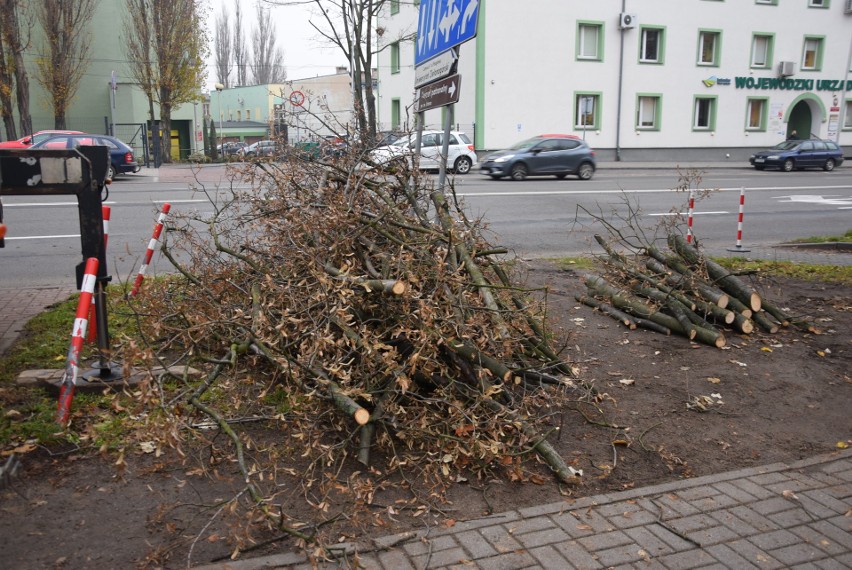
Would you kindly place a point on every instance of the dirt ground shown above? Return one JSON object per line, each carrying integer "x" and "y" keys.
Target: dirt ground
{"x": 780, "y": 397}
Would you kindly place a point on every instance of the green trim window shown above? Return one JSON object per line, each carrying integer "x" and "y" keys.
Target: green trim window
{"x": 394, "y": 7}
{"x": 709, "y": 47}
{"x": 396, "y": 112}
{"x": 590, "y": 41}
{"x": 819, "y": 3}
{"x": 394, "y": 57}
{"x": 587, "y": 114}
{"x": 847, "y": 116}
{"x": 812, "y": 51}
{"x": 762, "y": 47}
{"x": 652, "y": 44}
{"x": 757, "y": 111}
{"x": 704, "y": 113}
{"x": 648, "y": 107}
{"x": 768, "y": 2}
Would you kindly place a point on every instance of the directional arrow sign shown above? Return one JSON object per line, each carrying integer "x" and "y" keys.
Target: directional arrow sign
{"x": 434, "y": 69}
{"x": 438, "y": 94}
{"x": 444, "y": 24}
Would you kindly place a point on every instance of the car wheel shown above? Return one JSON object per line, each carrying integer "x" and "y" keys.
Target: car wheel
{"x": 788, "y": 165}
{"x": 462, "y": 165}
{"x": 829, "y": 165}
{"x": 585, "y": 171}
{"x": 111, "y": 172}
{"x": 561, "y": 176}
{"x": 519, "y": 172}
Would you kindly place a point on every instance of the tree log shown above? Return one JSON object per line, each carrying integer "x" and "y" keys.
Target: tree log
{"x": 608, "y": 310}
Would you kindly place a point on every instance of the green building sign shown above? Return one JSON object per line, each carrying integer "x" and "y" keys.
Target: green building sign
{"x": 788, "y": 84}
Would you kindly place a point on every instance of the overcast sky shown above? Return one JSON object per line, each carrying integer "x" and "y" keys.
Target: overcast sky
{"x": 306, "y": 54}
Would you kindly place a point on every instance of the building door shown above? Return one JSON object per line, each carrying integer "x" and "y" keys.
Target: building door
{"x": 800, "y": 120}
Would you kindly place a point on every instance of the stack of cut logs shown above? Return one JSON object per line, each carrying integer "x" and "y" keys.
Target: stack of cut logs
{"x": 681, "y": 292}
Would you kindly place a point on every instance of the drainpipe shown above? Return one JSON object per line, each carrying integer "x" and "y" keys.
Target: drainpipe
{"x": 842, "y": 116}
{"x": 620, "y": 79}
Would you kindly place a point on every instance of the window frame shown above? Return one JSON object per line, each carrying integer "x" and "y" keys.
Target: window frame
{"x": 770, "y": 50}
{"x": 394, "y": 58}
{"x": 658, "y": 109}
{"x": 394, "y": 7}
{"x": 847, "y": 117}
{"x": 396, "y": 113}
{"x": 661, "y": 44}
{"x": 596, "y": 114}
{"x": 766, "y": 2}
{"x": 717, "y": 48}
{"x": 711, "y": 121}
{"x": 823, "y": 4}
{"x": 764, "y": 114}
{"x": 599, "y": 44}
{"x": 818, "y": 55}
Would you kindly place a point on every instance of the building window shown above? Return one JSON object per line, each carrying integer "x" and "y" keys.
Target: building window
{"x": 704, "y": 114}
{"x": 590, "y": 41}
{"x": 648, "y": 112}
{"x": 587, "y": 111}
{"x": 394, "y": 6}
{"x": 395, "y": 114}
{"x": 394, "y": 57}
{"x": 709, "y": 44}
{"x": 248, "y": 114}
{"x": 812, "y": 54}
{"x": 756, "y": 113}
{"x": 651, "y": 50}
{"x": 761, "y": 51}
{"x": 770, "y": 2}
{"x": 818, "y": 3}
{"x": 239, "y": 115}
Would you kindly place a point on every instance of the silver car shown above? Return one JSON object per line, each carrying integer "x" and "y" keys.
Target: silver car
{"x": 461, "y": 156}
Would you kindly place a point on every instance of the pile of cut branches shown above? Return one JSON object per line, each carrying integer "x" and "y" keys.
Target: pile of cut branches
{"x": 363, "y": 313}
{"x": 680, "y": 291}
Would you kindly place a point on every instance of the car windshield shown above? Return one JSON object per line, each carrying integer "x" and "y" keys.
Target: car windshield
{"x": 787, "y": 145}
{"x": 523, "y": 145}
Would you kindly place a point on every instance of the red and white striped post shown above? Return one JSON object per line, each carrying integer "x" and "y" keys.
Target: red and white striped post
{"x": 152, "y": 245}
{"x": 689, "y": 214}
{"x": 78, "y": 333}
{"x": 93, "y": 321}
{"x": 739, "y": 246}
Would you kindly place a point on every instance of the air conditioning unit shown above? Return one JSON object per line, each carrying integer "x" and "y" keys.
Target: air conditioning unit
{"x": 627, "y": 21}
{"x": 786, "y": 68}
{"x": 848, "y": 8}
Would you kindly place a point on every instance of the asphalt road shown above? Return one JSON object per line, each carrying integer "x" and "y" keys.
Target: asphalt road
{"x": 535, "y": 218}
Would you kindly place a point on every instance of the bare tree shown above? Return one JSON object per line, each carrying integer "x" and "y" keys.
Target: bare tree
{"x": 171, "y": 36}
{"x": 241, "y": 54}
{"x": 267, "y": 60}
{"x": 15, "y": 25}
{"x": 348, "y": 24}
{"x": 7, "y": 83}
{"x": 223, "y": 49}
{"x": 65, "y": 52}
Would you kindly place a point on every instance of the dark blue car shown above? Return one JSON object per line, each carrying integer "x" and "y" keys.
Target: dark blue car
{"x": 545, "y": 155}
{"x": 120, "y": 155}
{"x": 798, "y": 155}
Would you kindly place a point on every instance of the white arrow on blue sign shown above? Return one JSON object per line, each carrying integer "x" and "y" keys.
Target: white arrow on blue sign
{"x": 444, "y": 24}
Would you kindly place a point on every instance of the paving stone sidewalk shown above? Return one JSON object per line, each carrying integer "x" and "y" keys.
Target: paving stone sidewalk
{"x": 17, "y": 306}
{"x": 777, "y": 516}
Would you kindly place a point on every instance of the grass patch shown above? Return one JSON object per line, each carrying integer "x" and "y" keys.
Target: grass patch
{"x": 581, "y": 263}
{"x": 825, "y": 239}
{"x": 841, "y": 274}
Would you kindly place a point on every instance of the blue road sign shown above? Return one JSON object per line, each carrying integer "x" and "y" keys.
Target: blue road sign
{"x": 444, "y": 24}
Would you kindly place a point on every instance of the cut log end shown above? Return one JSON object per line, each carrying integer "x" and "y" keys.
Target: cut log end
{"x": 754, "y": 302}
{"x": 399, "y": 288}
{"x": 361, "y": 416}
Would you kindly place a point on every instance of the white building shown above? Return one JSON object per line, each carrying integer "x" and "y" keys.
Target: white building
{"x": 640, "y": 80}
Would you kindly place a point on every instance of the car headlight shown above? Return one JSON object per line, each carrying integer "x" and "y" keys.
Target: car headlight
{"x": 773, "y": 157}
{"x": 504, "y": 158}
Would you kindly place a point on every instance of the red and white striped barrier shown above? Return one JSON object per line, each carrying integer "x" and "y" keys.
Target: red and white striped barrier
{"x": 689, "y": 214}
{"x": 739, "y": 246}
{"x": 93, "y": 321}
{"x": 152, "y": 245}
{"x": 78, "y": 334}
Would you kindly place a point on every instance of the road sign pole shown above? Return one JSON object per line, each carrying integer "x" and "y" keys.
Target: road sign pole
{"x": 445, "y": 147}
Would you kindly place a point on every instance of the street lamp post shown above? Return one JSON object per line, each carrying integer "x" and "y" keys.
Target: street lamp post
{"x": 219, "y": 88}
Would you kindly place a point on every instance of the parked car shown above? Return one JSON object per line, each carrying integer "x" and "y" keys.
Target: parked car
{"x": 260, "y": 148}
{"x": 29, "y": 140}
{"x": 799, "y": 154}
{"x": 231, "y": 148}
{"x": 461, "y": 156}
{"x": 120, "y": 155}
{"x": 550, "y": 154}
